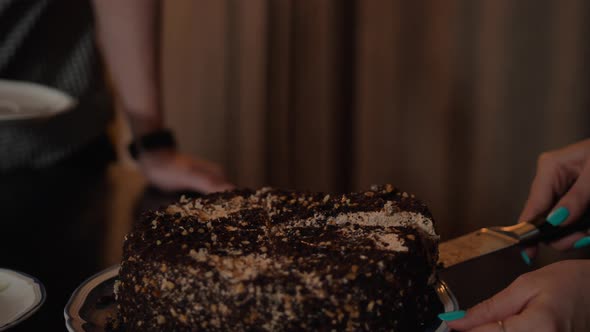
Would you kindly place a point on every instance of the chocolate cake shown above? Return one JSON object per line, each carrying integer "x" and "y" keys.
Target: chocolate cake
{"x": 275, "y": 260}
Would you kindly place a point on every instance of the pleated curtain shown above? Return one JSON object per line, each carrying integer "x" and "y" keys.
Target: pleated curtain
{"x": 451, "y": 100}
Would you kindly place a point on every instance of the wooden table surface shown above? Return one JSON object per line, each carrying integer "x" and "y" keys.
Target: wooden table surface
{"x": 62, "y": 226}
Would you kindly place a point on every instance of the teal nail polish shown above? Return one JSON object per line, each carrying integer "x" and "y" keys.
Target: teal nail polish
{"x": 558, "y": 216}
{"x": 525, "y": 257}
{"x": 583, "y": 242}
{"x": 453, "y": 315}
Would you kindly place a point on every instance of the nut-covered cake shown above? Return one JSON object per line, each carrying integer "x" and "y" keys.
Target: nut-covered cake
{"x": 275, "y": 260}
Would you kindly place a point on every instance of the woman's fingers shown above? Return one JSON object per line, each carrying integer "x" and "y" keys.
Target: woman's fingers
{"x": 569, "y": 242}
{"x": 549, "y": 299}
{"x": 570, "y": 208}
{"x": 173, "y": 171}
{"x": 556, "y": 171}
{"x": 202, "y": 181}
{"x": 506, "y": 303}
{"x": 573, "y": 241}
{"x": 575, "y": 202}
{"x": 543, "y": 187}
{"x": 528, "y": 254}
{"x": 528, "y": 320}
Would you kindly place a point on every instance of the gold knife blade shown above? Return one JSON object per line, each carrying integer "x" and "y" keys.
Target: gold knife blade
{"x": 469, "y": 246}
{"x": 491, "y": 239}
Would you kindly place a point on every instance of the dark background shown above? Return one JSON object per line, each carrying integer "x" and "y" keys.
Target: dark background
{"x": 452, "y": 100}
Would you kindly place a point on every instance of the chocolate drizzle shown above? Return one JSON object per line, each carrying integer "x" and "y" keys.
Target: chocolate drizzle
{"x": 276, "y": 260}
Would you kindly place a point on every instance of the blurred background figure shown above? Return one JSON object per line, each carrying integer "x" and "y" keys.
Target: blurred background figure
{"x": 453, "y": 101}
{"x": 44, "y": 42}
{"x": 56, "y": 44}
{"x": 66, "y": 203}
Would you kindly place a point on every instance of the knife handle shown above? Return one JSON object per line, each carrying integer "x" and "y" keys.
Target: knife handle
{"x": 548, "y": 233}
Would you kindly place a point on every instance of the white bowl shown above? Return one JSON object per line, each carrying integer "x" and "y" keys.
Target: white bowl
{"x": 24, "y": 101}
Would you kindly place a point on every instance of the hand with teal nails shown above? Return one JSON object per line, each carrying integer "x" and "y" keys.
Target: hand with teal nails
{"x": 554, "y": 298}
{"x": 562, "y": 187}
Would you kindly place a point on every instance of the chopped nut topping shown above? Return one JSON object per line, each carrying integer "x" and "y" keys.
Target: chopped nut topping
{"x": 167, "y": 284}
{"x": 234, "y": 263}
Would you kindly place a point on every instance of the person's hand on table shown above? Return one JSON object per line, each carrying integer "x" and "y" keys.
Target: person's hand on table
{"x": 556, "y": 297}
{"x": 170, "y": 170}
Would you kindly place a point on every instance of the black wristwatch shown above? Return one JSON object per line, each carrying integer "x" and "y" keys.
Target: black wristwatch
{"x": 163, "y": 138}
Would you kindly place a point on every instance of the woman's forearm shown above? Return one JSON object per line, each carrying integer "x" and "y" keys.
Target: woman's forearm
{"x": 128, "y": 34}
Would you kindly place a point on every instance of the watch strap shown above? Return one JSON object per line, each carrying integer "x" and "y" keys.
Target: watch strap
{"x": 155, "y": 140}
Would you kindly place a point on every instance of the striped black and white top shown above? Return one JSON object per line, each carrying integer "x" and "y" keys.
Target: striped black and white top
{"x": 51, "y": 42}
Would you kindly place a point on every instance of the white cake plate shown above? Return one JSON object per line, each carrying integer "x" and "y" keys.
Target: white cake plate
{"x": 20, "y": 296}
